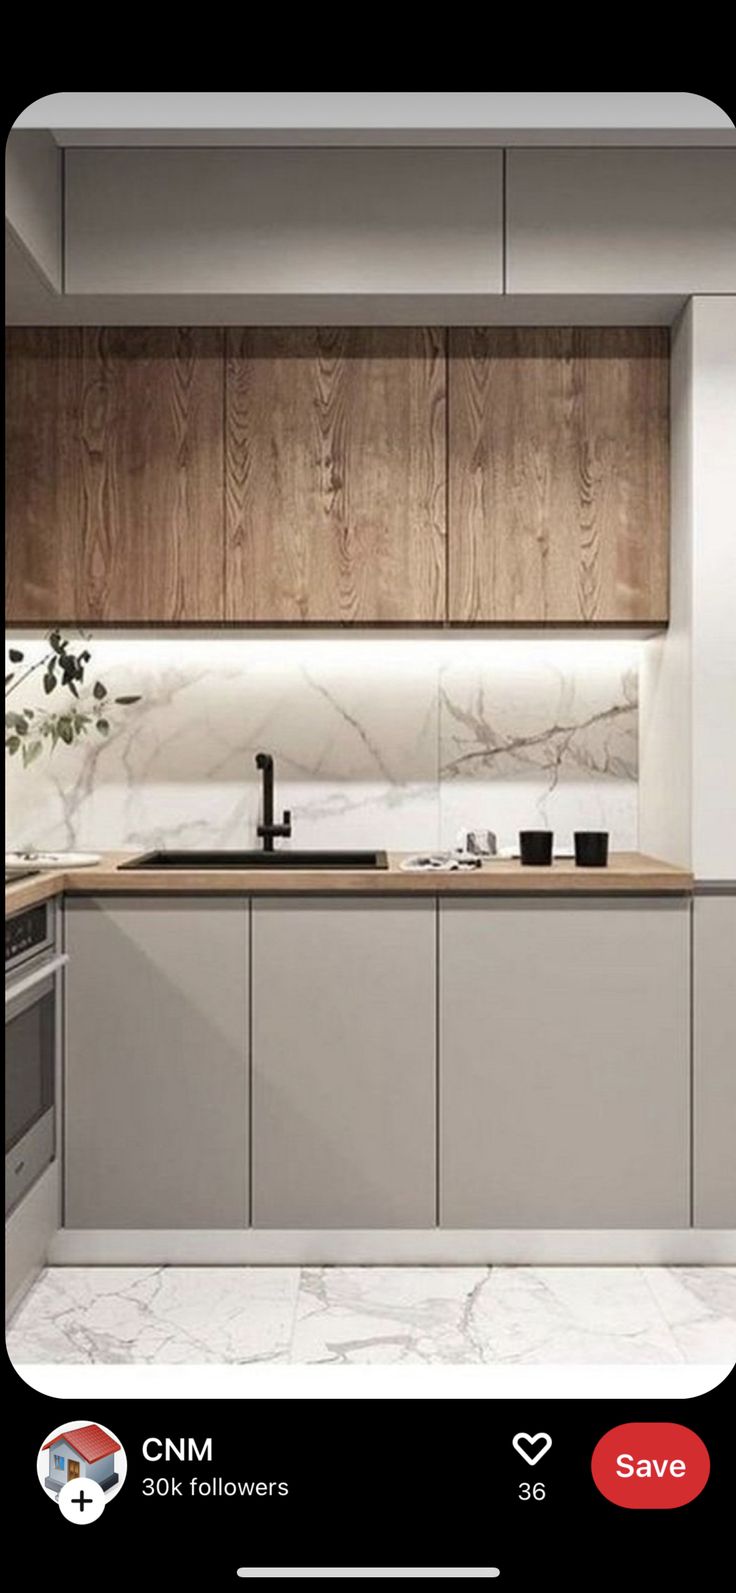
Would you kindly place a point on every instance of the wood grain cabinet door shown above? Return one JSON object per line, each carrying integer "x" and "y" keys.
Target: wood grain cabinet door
{"x": 335, "y": 475}
{"x": 558, "y": 462}
{"x": 115, "y": 468}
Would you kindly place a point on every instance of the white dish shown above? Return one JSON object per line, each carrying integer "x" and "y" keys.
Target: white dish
{"x": 52, "y": 859}
{"x": 440, "y": 863}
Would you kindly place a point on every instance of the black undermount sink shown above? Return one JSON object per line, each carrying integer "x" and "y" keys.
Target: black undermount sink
{"x": 259, "y": 859}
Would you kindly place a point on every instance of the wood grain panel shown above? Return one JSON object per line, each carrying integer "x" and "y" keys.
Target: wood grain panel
{"x": 335, "y": 474}
{"x": 627, "y": 872}
{"x": 115, "y": 501}
{"x": 558, "y": 463}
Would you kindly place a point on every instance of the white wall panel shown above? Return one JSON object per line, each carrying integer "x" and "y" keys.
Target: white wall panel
{"x": 33, "y": 200}
{"x": 665, "y": 673}
{"x": 687, "y": 791}
{"x": 714, "y": 588}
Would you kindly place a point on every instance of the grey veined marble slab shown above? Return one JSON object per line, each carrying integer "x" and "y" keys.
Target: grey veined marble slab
{"x": 167, "y": 1315}
{"x": 539, "y": 741}
{"x": 382, "y": 741}
{"x": 379, "y": 1315}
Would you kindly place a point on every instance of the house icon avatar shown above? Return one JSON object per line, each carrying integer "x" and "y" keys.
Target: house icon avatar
{"x": 84, "y": 1452}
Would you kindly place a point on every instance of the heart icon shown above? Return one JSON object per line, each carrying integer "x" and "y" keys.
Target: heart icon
{"x": 532, "y": 1448}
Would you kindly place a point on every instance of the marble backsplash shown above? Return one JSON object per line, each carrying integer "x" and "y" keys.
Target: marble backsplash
{"x": 379, "y": 741}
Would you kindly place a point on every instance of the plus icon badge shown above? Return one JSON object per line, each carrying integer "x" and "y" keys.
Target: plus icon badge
{"x": 81, "y": 1501}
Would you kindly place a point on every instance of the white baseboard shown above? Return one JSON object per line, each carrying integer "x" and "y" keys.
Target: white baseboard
{"x": 394, "y": 1247}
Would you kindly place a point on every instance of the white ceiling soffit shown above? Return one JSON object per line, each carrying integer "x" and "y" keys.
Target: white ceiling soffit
{"x": 373, "y": 118}
{"x": 31, "y": 303}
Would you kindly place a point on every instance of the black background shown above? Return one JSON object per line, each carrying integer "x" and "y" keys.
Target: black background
{"x": 375, "y": 1482}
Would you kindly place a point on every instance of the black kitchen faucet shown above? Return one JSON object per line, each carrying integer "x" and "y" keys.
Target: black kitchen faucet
{"x": 267, "y": 830}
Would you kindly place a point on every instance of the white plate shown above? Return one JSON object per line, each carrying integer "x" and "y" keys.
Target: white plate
{"x": 52, "y": 859}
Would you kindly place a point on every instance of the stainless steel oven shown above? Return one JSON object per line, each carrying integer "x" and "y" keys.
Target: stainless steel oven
{"x": 33, "y": 967}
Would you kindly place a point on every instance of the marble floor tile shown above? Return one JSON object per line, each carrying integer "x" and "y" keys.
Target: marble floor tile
{"x": 381, "y": 1315}
{"x": 699, "y": 1306}
{"x": 386, "y": 1315}
{"x": 570, "y": 1315}
{"x": 221, "y": 1315}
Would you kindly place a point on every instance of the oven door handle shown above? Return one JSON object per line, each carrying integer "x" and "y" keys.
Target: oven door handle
{"x": 20, "y": 988}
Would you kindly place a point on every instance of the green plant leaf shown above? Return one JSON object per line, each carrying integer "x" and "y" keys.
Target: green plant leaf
{"x": 12, "y": 744}
{"x": 62, "y": 666}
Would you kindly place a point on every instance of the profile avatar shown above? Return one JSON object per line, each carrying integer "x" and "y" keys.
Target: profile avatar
{"x": 84, "y": 1452}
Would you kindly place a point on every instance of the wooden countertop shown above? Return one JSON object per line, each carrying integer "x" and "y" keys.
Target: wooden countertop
{"x": 627, "y": 872}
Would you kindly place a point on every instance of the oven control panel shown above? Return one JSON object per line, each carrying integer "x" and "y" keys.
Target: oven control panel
{"x": 27, "y": 933}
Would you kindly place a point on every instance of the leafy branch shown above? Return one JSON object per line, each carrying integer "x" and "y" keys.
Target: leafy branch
{"x": 87, "y": 706}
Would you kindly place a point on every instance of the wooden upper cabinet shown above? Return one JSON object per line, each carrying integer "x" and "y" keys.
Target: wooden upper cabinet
{"x": 335, "y": 475}
{"x": 558, "y": 460}
{"x": 115, "y": 469}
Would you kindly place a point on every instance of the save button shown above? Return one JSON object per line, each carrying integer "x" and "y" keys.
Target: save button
{"x": 650, "y": 1465}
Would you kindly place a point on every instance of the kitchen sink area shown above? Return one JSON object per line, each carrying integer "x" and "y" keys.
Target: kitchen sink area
{"x": 222, "y": 860}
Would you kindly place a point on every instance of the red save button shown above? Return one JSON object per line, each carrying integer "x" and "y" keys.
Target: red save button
{"x": 650, "y": 1465}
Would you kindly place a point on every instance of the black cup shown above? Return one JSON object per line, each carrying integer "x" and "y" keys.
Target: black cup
{"x": 591, "y": 848}
{"x": 535, "y": 847}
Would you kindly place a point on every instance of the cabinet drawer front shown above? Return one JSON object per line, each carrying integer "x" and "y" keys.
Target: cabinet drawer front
{"x": 157, "y": 1065}
{"x": 343, "y": 1064}
{"x": 714, "y": 1061}
{"x": 564, "y": 1064}
{"x": 621, "y": 221}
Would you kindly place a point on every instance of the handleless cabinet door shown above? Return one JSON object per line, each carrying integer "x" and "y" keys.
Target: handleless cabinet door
{"x": 621, "y": 221}
{"x": 558, "y": 475}
{"x": 343, "y": 1035}
{"x": 564, "y": 1064}
{"x": 714, "y": 1060}
{"x": 156, "y": 1100}
{"x": 115, "y": 474}
{"x": 335, "y": 474}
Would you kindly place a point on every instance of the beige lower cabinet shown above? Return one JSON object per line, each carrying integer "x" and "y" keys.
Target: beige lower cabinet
{"x": 344, "y": 1063}
{"x": 564, "y": 1063}
{"x": 714, "y": 1060}
{"x": 156, "y": 1096}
